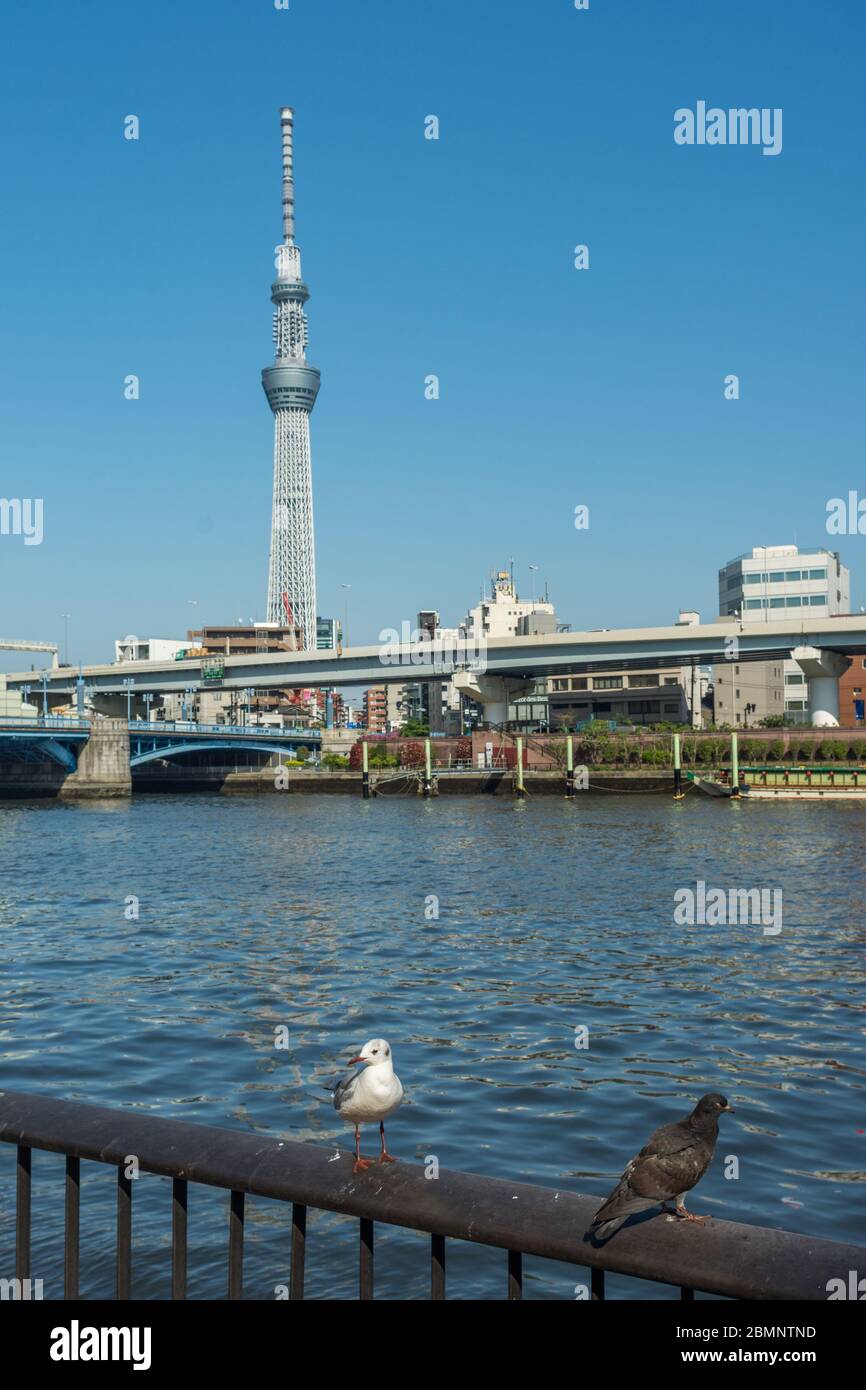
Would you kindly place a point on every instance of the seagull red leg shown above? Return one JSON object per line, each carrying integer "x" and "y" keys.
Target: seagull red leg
{"x": 385, "y": 1157}
{"x": 361, "y": 1164}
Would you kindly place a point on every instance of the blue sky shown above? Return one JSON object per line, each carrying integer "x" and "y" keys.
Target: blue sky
{"x": 452, "y": 257}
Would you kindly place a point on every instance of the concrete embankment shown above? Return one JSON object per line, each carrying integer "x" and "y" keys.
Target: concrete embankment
{"x": 477, "y": 783}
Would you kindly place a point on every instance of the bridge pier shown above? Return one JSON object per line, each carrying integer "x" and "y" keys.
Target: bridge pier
{"x": 822, "y": 670}
{"x": 103, "y": 764}
{"x": 493, "y": 693}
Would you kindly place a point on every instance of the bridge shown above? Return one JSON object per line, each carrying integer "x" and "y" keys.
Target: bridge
{"x": 497, "y": 671}
{"x": 63, "y": 741}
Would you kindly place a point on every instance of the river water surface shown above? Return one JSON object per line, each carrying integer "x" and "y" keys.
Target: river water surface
{"x": 309, "y": 912}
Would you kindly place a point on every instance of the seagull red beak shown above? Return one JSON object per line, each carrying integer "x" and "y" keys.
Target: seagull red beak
{"x": 353, "y": 1060}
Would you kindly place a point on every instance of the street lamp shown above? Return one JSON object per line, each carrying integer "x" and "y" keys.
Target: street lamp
{"x": 347, "y": 587}
{"x": 66, "y": 617}
{"x": 129, "y": 682}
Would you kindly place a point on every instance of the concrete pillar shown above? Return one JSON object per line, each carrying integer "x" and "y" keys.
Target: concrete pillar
{"x": 493, "y": 693}
{"x": 103, "y": 764}
{"x": 822, "y": 670}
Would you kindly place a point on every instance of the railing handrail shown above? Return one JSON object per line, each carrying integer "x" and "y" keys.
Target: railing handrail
{"x": 51, "y": 721}
{"x": 190, "y": 726}
{"x": 722, "y": 1257}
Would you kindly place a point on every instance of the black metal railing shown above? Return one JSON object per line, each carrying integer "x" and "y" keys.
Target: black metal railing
{"x": 721, "y": 1257}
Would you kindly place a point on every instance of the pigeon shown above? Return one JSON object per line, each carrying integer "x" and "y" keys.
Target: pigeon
{"x": 369, "y": 1095}
{"x": 668, "y": 1166}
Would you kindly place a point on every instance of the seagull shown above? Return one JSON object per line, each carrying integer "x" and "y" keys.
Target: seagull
{"x": 369, "y": 1095}
{"x": 668, "y": 1166}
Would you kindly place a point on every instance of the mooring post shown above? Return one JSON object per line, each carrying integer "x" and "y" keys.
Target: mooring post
{"x": 365, "y": 773}
{"x": 520, "y": 789}
{"x": 678, "y": 774}
{"x": 735, "y": 766}
{"x": 569, "y": 766}
{"x": 428, "y": 769}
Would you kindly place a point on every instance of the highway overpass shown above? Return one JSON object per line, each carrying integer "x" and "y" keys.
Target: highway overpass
{"x": 495, "y": 674}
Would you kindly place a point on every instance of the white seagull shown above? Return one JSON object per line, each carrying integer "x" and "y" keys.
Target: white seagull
{"x": 369, "y": 1095}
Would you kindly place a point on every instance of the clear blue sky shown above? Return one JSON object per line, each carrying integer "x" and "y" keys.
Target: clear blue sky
{"x": 454, "y": 257}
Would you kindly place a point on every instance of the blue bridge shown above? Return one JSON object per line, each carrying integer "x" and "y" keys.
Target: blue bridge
{"x": 60, "y": 740}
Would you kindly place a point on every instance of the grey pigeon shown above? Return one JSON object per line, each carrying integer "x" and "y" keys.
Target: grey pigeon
{"x": 676, "y": 1157}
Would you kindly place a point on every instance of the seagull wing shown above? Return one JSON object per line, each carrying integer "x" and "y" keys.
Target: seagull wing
{"x": 345, "y": 1088}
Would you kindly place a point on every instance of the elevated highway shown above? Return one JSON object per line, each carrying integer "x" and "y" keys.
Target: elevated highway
{"x": 496, "y": 672}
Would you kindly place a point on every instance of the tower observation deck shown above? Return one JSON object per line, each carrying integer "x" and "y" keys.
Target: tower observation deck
{"x": 291, "y": 387}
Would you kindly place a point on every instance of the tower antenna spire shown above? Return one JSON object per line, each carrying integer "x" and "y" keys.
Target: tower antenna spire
{"x": 287, "y": 118}
{"x": 291, "y": 386}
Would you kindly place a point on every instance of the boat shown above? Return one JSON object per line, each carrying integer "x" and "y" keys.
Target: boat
{"x": 712, "y": 787}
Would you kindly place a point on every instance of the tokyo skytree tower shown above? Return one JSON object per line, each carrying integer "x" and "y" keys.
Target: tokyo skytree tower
{"x": 291, "y": 388}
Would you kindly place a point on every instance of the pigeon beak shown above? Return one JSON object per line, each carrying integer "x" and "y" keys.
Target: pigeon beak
{"x": 731, "y": 1109}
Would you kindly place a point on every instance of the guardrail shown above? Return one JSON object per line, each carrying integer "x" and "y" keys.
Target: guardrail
{"x": 189, "y": 726}
{"x": 721, "y": 1257}
{"x": 51, "y": 721}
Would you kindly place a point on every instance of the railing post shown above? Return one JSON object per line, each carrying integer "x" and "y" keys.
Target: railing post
{"x": 428, "y": 769}
{"x": 124, "y": 1234}
{"x": 678, "y": 776}
{"x": 569, "y": 766}
{"x": 515, "y": 1274}
{"x": 365, "y": 1263}
{"x": 179, "y": 1200}
{"x": 437, "y": 1267}
{"x": 22, "y": 1213}
{"x": 236, "y": 1245}
{"x": 735, "y": 766}
{"x": 365, "y": 771}
{"x": 71, "y": 1228}
{"x": 299, "y": 1250}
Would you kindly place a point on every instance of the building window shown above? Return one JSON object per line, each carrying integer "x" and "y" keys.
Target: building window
{"x": 579, "y": 684}
{"x": 817, "y": 574}
{"x": 607, "y": 682}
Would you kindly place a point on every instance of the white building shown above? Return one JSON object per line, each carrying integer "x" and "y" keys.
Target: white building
{"x": 501, "y": 614}
{"x": 133, "y": 648}
{"x": 766, "y": 583}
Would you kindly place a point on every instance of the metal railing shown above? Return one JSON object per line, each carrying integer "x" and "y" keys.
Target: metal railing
{"x": 721, "y": 1257}
{"x": 189, "y": 726}
{"x": 41, "y": 721}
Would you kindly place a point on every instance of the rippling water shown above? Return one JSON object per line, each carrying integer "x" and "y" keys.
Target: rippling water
{"x": 310, "y": 912}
